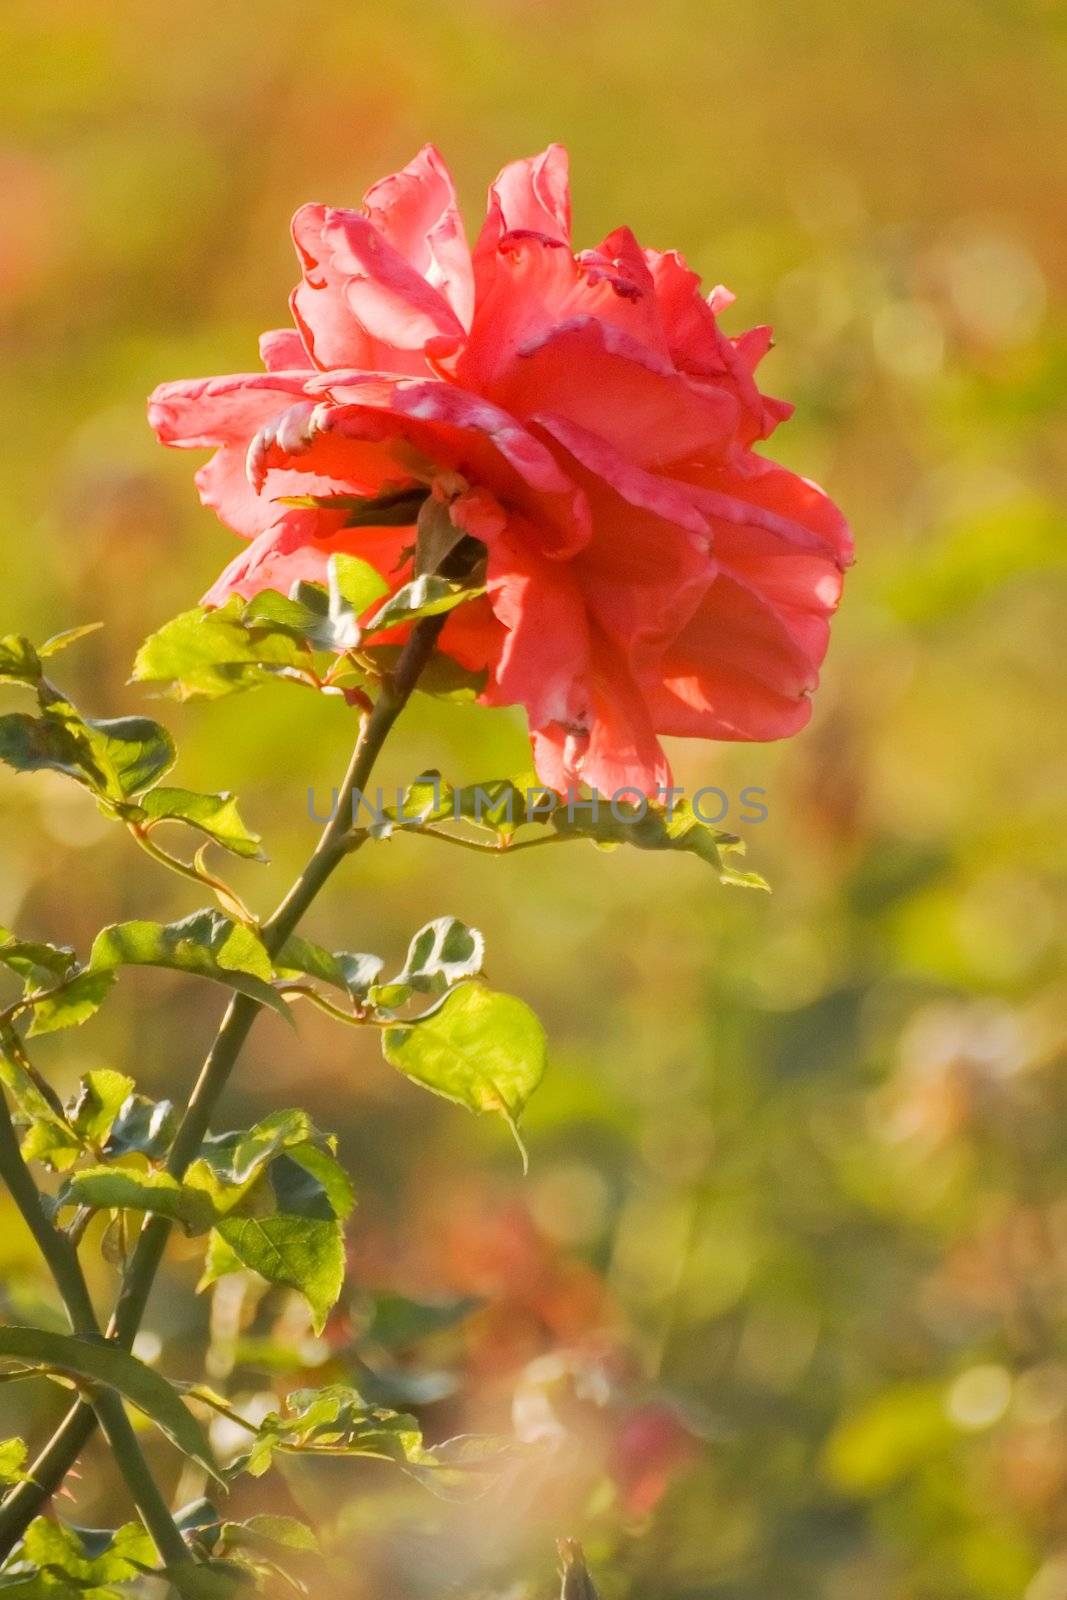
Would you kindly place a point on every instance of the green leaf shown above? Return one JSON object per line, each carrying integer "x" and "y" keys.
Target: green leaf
{"x": 100, "y": 1097}
{"x": 397, "y": 1322}
{"x": 125, "y": 1189}
{"x": 397, "y": 508}
{"x": 12, "y": 1461}
{"x": 300, "y": 1244}
{"x": 99, "y": 1361}
{"x": 345, "y": 970}
{"x": 114, "y": 757}
{"x": 334, "y": 1420}
{"x": 143, "y": 1126}
{"x": 19, "y": 661}
{"x": 133, "y": 751}
{"x": 39, "y": 744}
{"x": 66, "y": 637}
{"x": 280, "y": 1198}
{"x": 425, "y": 596}
{"x": 326, "y": 1171}
{"x": 355, "y": 582}
{"x": 481, "y": 1049}
{"x": 79, "y": 998}
{"x": 206, "y": 944}
{"x": 82, "y": 1561}
{"x": 442, "y": 677}
{"x": 34, "y": 960}
{"x": 213, "y": 814}
{"x": 52, "y": 1143}
{"x": 440, "y": 954}
{"x": 467, "y": 1466}
{"x": 651, "y": 828}
{"x": 288, "y": 1532}
{"x": 28, "y": 1093}
{"x": 209, "y": 653}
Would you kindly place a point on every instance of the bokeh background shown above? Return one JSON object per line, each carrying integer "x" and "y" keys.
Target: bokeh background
{"x": 786, "y": 1286}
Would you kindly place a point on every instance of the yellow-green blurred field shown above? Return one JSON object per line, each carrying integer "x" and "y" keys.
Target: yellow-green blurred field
{"x": 792, "y": 1253}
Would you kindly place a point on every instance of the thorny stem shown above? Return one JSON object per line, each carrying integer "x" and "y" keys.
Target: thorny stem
{"x": 62, "y": 1261}
{"x": 58, "y": 1456}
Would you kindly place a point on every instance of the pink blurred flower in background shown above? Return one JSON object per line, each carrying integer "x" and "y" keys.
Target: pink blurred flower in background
{"x": 584, "y": 417}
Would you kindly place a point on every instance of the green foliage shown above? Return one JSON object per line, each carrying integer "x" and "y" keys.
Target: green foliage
{"x": 92, "y": 1362}
{"x": 205, "y": 944}
{"x": 114, "y": 1188}
{"x": 58, "y": 1136}
{"x": 60, "y": 1562}
{"x": 13, "y": 1454}
{"x": 495, "y": 812}
{"x": 440, "y": 954}
{"x": 215, "y": 815}
{"x": 34, "y": 961}
{"x": 280, "y": 1202}
{"x": 425, "y": 596}
{"x": 483, "y": 1050}
{"x": 71, "y": 1003}
{"x": 331, "y": 1421}
{"x": 353, "y": 974}
{"x": 209, "y": 653}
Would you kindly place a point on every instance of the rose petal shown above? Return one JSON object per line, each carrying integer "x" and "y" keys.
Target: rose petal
{"x": 415, "y": 211}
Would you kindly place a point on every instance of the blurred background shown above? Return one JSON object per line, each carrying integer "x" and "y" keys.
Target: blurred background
{"x": 785, "y": 1291}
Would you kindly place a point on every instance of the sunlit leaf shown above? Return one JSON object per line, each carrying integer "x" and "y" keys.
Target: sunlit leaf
{"x": 125, "y": 1189}
{"x": 481, "y": 1049}
{"x": 98, "y": 1361}
{"x": 346, "y": 970}
{"x": 215, "y": 815}
{"x": 79, "y": 999}
{"x": 13, "y": 1454}
{"x": 425, "y": 596}
{"x": 206, "y": 944}
{"x": 34, "y": 960}
{"x": 209, "y": 653}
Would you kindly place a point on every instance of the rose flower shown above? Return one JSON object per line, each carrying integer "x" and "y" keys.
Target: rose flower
{"x": 583, "y": 417}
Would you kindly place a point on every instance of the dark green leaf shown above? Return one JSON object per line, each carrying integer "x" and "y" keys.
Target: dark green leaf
{"x": 397, "y": 1322}
{"x": 143, "y": 1126}
{"x": 19, "y": 661}
{"x": 133, "y": 752}
{"x": 38, "y": 744}
{"x": 344, "y": 969}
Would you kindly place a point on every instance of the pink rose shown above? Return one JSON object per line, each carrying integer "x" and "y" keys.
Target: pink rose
{"x": 584, "y": 417}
